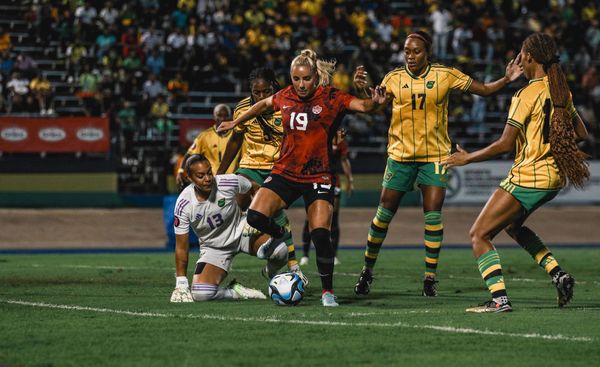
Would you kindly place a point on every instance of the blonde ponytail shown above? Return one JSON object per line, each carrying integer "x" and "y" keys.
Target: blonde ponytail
{"x": 324, "y": 69}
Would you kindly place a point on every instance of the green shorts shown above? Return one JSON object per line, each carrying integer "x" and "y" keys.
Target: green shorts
{"x": 257, "y": 175}
{"x": 401, "y": 176}
{"x": 530, "y": 199}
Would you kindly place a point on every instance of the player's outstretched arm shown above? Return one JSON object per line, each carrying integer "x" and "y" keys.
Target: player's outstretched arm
{"x": 233, "y": 147}
{"x": 512, "y": 73}
{"x": 181, "y": 293}
{"x": 503, "y": 145}
{"x": 256, "y": 109}
{"x": 378, "y": 98}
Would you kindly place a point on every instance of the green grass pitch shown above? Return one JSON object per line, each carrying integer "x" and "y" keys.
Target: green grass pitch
{"x": 114, "y": 310}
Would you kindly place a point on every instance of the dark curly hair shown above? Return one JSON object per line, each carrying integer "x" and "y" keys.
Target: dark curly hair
{"x": 571, "y": 161}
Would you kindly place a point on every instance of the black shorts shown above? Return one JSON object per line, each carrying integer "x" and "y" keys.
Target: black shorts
{"x": 290, "y": 191}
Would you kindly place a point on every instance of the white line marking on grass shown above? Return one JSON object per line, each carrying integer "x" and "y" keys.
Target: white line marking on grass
{"x": 525, "y": 280}
{"x": 449, "y": 329}
{"x": 361, "y": 314}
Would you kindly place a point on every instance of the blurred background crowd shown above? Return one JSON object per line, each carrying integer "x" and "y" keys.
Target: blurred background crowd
{"x": 148, "y": 63}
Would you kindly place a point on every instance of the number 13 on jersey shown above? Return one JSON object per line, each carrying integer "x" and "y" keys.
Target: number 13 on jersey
{"x": 298, "y": 121}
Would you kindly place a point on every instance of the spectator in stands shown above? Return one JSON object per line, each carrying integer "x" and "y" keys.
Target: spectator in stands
{"x": 5, "y": 41}
{"x": 105, "y": 41}
{"x": 440, "y": 19}
{"x": 592, "y": 38}
{"x": 176, "y": 43}
{"x": 159, "y": 112}
{"x": 342, "y": 79}
{"x": 126, "y": 121}
{"x": 152, "y": 88}
{"x": 109, "y": 14}
{"x": 178, "y": 89}
{"x": 155, "y": 63}
{"x": 112, "y": 59}
{"x": 133, "y": 61}
{"x": 25, "y": 65}
{"x": 460, "y": 40}
{"x": 18, "y": 89}
{"x": 86, "y": 17}
{"x": 41, "y": 89}
{"x": 7, "y": 64}
{"x": 129, "y": 41}
{"x": 179, "y": 18}
{"x": 151, "y": 38}
{"x": 75, "y": 54}
{"x": 88, "y": 91}
{"x": 186, "y": 5}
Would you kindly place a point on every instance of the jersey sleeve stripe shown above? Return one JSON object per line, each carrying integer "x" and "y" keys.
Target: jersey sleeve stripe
{"x": 514, "y": 123}
{"x": 468, "y": 85}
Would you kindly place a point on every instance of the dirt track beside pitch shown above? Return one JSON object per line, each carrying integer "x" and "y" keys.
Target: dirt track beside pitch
{"x": 144, "y": 228}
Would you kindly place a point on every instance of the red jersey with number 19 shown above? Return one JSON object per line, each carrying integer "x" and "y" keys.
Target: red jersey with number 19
{"x": 308, "y": 125}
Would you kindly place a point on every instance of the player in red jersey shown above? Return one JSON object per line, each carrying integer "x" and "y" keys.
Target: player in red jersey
{"x": 339, "y": 161}
{"x": 309, "y": 109}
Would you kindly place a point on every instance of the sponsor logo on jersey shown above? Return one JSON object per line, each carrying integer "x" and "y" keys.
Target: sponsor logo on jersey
{"x": 176, "y": 221}
{"x": 13, "y": 134}
{"x": 405, "y": 86}
{"x": 317, "y": 109}
{"x": 221, "y": 203}
{"x": 430, "y": 84}
{"x": 89, "y": 134}
{"x": 52, "y": 134}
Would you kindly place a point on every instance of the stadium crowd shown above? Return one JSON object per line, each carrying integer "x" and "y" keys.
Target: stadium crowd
{"x": 136, "y": 60}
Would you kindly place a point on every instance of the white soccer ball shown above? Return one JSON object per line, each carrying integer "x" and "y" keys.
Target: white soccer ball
{"x": 286, "y": 289}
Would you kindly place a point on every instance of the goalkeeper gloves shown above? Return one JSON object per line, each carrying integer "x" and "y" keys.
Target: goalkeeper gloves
{"x": 182, "y": 293}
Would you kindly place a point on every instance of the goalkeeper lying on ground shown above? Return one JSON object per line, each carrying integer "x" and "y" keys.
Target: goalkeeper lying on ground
{"x": 208, "y": 205}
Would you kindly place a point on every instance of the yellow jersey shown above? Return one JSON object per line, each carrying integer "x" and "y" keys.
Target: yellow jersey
{"x": 530, "y": 111}
{"x": 212, "y": 145}
{"x": 419, "y": 128}
{"x": 262, "y": 137}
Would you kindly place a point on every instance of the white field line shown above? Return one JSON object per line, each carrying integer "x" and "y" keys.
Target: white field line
{"x": 448, "y": 329}
{"x": 524, "y": 280}
{"x": 379, "y": 276}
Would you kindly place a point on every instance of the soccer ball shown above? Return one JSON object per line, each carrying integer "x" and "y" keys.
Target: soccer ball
{"x": 286, "y": 289}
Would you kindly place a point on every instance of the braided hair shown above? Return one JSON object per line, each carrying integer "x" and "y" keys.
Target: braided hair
{"x": 266, "y": 74}
{"x": 571, "y": 161}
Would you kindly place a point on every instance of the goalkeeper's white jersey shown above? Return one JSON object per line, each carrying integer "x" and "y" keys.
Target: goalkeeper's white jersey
{"x": 218, "y": 221}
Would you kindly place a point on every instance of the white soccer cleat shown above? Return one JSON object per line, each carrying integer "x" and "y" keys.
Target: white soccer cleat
{"x": 328, "y": 300}
{"x": 245, "y": 292}
{"x": 277, "y": 261}
{"x": 266, "y": 249}
{"x": 181, "y": 295}
{"x": 304, "y": 261}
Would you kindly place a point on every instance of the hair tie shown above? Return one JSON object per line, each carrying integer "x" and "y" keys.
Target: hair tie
{"x": 416, "y": 35}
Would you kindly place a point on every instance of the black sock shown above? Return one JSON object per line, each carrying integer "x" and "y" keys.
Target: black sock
{"x": 321, "y": 237}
